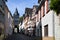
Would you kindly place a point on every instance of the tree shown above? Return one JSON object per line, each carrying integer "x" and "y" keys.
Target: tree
{"x": 21, "y": 19}
{"x": 55, "y": 5}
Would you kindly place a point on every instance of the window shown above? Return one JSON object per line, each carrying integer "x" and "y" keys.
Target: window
{"x": 37, "y": 32}
{"x": 43, "y": 9}
{"x": 1, "y": 17}
{"x": 46, "y": 30}
{"x": 0, "y": 5}
{"x": 37, "y": 17}
{"x": 49, "y": 4}
{"x": 40, "y": 14}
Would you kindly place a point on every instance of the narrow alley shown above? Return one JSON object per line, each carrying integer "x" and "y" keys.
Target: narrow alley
{"x": 29, "y": 19}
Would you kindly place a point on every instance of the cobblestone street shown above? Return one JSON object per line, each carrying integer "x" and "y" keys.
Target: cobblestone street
{"x": 19, "y": 37}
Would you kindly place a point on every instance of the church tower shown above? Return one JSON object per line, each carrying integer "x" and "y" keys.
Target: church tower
{"x": 16, "y": 20}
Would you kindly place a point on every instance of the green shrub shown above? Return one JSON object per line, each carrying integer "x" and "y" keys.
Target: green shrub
{"x": 55, "y": 5}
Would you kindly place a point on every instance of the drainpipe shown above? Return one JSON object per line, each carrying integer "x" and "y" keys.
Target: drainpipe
{"x": 53, "y": 26}
{"x": 41, "y": 26}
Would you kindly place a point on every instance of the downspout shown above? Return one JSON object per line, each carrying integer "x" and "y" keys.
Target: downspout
{"x": 53, "y": 26}
{"x": 40, "y": 26}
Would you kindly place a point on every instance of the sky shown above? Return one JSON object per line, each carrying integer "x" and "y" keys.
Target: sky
{"x": 20, "y": 5}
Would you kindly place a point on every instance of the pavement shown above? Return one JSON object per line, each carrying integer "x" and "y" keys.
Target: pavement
{"x": 19, "y": 37}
